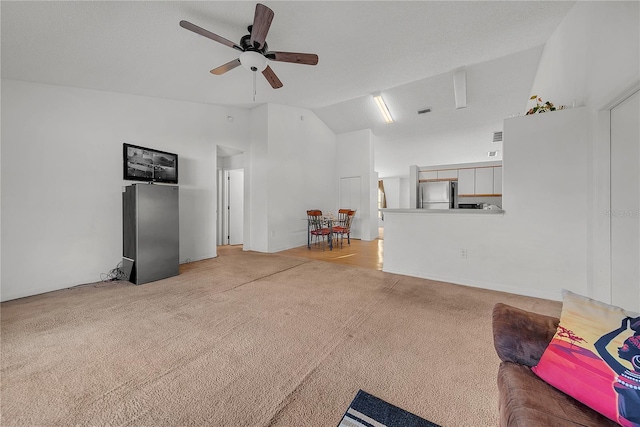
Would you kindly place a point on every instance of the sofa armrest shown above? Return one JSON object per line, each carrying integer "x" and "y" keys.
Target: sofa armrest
{"x": 521, "y": 336}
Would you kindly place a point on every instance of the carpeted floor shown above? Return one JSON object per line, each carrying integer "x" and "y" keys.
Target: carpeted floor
{"x": 251, "y": 339}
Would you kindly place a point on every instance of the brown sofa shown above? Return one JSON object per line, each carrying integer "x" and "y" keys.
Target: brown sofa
{"x": 520, "y": 337}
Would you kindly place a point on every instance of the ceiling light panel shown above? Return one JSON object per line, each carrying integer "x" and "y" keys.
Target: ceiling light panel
{"x": 384, "y": 110}
{"x": 460, "y": 88}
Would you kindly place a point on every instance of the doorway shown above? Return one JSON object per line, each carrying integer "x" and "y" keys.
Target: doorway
{"x": 235, "y": 206}
{"x": 230, "y": 198}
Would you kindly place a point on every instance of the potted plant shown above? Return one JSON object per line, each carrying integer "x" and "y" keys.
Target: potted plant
{"x": 542, "y": 107}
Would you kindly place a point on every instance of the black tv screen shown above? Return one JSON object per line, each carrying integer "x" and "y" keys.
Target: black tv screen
{"x": 147, "y": 164}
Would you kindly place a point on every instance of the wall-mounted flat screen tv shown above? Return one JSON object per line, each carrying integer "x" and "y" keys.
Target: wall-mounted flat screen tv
{"x": 148, "y": 164}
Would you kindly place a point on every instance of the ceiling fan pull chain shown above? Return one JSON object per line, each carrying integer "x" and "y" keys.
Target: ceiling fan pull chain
{"x": 254, "y": 86}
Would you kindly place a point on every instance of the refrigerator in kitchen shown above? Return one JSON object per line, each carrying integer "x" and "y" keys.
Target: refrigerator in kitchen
{"x": 438, "y": 195}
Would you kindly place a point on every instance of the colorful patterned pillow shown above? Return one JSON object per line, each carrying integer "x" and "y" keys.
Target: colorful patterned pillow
{"x": 595, "y": 357}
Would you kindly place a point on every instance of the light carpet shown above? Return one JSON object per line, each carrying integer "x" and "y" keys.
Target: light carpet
{"x": 250, "y": 339}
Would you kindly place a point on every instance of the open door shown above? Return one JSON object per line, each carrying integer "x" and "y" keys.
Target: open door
{"x": 230, "y": 200}
{"x": 235, "y": 208}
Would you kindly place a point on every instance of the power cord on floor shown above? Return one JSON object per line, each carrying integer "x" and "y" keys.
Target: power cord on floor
{"x": 114, "y": 274}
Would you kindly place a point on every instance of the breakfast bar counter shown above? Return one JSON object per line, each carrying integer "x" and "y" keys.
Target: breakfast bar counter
{"x": 444, "y": 211}
{"x": 464, "y": 246}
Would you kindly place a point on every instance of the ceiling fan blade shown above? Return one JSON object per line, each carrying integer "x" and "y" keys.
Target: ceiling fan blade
{"x": 208, "y": 34}
{"x": 226, "y": 67}
{"x": 296, "y": 58}
{"x": 261, "y": 23}
{"x": 271, "y": 77}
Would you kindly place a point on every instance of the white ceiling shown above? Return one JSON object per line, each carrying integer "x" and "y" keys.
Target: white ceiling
{"x": 406, "y": 50}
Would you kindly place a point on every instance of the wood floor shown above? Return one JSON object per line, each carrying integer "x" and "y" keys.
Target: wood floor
{"x": 361, "y": 253}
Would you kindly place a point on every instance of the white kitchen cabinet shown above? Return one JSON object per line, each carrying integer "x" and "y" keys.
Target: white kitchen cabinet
{"x": 497, "y": 180}
{"x": 480, "y": 181}
{"x": 466, "y": 181}
{"x": 448, "y": 174}
{"x": 484, "y": 181}
{"x": 474, "y": 179}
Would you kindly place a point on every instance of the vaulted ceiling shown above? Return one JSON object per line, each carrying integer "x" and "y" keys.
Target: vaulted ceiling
{"x": 408, "y": 51}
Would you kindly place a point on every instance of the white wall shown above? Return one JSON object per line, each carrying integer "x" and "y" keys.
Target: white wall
{"x": 62, "y": 178}
{"x": 62, "y": 226}
{"x": 405, "y": 189}
{"x": 594, "y": 53}
{"x": 257, "y": 193}
{"x": 538, "y": 246}
{"x": 593, "y": 58}
{"x": 356, "y": 158}
{"x": 292, "y": 170}
{"x": 235, "y": 161}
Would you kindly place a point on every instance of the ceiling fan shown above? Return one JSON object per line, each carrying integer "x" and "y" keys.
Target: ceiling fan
{"x": 253, "y": 46}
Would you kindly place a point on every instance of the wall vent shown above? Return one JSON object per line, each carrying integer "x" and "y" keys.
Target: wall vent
{"x": 426, "y": 110}
{"x": 497, "y": 136}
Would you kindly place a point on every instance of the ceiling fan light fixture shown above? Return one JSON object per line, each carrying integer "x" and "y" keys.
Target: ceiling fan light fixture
{"x": 383, "y": 108}
{"x": 253, "y": 61}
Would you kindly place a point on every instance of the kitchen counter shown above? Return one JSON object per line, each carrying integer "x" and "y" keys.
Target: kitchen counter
{"x": 464, "y": 246}
{"x": 446, "y": 211}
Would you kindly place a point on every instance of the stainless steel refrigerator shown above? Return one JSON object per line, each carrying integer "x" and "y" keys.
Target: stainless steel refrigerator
{"x": 438, "y": 195}
{"x": 151, "y": 235}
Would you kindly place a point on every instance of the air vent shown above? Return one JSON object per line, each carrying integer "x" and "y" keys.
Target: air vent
{"x": 426, "y": 110}
{"x": 497, "y": 136}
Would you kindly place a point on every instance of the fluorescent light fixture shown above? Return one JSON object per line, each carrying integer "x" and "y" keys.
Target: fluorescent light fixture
{"x": 383, "y": 108}
{"x": 460, "y": 88}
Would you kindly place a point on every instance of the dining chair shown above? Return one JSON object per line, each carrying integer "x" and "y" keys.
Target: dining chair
{"x": 342, "y": 217}
{"x": 317, "y": 229}
{"x": 343, "y": 225}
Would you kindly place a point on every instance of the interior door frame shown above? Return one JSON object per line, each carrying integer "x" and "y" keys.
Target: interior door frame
{"x": 235, "y": 200}
{"x": 623, "y": 247}
{"x": 600, "y": 228}
{"x": 228, "y": 159}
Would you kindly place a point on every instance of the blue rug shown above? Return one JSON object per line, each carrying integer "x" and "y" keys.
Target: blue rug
{"x": 369, "y": 411}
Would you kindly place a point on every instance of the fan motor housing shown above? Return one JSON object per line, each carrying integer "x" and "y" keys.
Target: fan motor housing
{"x": 245, "y": 44}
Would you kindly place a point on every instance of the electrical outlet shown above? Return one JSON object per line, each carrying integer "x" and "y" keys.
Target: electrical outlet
{"x": 463, "y": 253}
